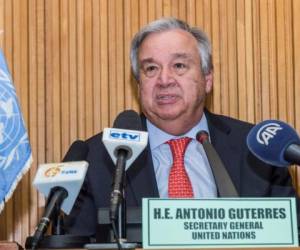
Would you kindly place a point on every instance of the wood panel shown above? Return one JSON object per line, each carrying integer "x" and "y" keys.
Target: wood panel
{"x": 70, "y": 64}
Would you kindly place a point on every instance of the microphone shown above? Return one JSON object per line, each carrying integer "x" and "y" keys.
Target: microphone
{"x": 61, "y": 183}
{"x": 274, "y": 142}
{"x": 78, "y": 151}
{"x": 68, "y": 175}
{"x": 222, "y": 178}
{"x": 124, "y": 143}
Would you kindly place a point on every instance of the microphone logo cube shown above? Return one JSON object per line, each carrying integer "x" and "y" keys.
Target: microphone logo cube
{"x": 69, "y": 175}
{"x": 133, "y": 140}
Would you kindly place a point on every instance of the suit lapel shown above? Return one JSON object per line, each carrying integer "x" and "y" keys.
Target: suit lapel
{"x": 141, "y": 181}
{"x": 226, "y": 146}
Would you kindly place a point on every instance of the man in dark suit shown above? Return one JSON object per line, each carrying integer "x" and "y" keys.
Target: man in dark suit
{"x": 172, "y": 65}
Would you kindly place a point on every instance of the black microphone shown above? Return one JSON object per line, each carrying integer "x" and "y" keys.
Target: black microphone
{"x": 223, "y": 181}
{"x": 78, "y": 151}
{"x": 58, "y": 193}
{"x": 274, "y": 142}
{"x": 124, "y": 142}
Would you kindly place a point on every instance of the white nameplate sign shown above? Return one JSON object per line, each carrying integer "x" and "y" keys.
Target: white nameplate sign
{"x": 222, "y": 222}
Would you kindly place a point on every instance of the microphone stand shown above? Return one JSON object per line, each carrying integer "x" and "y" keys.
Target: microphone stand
{"x": 122, "y": 220}
{"x": 117, "y": 211}
{"x": 57, "y": 227}
{"x": 56, "y": 197}
{"x": 52, "y": 214}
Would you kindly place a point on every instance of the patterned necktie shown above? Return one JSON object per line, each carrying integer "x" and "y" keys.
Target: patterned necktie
{"x": 179, "y": 182}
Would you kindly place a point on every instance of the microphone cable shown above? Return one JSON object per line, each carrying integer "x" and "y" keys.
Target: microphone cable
{"x": 116, "y": 235}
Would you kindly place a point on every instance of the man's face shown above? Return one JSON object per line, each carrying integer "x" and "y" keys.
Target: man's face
{"x": 172, "y": 87}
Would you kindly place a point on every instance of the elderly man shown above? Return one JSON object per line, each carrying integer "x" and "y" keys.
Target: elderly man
{"x": 172, "y": 65}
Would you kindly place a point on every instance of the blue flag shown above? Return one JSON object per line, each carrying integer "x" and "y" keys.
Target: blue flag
{"x": 15, "y": 151}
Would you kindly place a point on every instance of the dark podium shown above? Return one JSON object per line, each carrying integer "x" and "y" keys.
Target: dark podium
{"x": 104, "y": 236}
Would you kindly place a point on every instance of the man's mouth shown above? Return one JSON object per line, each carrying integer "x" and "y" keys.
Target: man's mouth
{"x": 167, "y": 98}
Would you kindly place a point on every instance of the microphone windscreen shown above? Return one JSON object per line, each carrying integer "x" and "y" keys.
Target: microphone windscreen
{"x": 269, "y": 140}
{"x": 128, "y": 119}
{"x": 78, "y": 151}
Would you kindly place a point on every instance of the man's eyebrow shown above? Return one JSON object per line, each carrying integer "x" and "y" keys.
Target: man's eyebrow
{"x": 182, "y": 55}
{"x": 174, "y": 56}
{"x": 147, "y": 60}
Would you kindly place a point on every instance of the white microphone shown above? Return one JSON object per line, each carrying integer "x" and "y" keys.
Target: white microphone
{"x": 68, "y": 175}
{"x": 133, "y": 141}
{"x": 61, "y": 183}
{"x": 124, "y": 143}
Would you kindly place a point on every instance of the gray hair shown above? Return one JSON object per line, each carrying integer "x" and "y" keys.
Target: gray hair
{"x": 165, "y": 24}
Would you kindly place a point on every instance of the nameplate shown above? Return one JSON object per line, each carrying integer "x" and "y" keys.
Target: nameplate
{"x": 222, "y": 222}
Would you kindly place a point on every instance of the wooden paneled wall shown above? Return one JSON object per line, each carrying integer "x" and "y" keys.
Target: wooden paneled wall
{"x": 70, "y": 64}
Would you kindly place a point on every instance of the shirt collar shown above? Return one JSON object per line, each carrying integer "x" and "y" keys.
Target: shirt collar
{"x": 158, "y": 136}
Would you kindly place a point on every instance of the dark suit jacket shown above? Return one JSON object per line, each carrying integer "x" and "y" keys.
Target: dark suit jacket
{"x": 251, "y": 177}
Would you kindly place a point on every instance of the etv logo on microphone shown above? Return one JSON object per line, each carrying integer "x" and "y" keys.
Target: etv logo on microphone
{"x": 128, "y": 136}
{"x": 267, "y": 132}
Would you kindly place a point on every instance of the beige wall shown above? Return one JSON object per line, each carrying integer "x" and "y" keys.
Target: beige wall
{"x": 69, "y": 61}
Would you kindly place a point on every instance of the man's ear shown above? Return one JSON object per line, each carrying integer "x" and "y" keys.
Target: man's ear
{"x": 209, "y": 82}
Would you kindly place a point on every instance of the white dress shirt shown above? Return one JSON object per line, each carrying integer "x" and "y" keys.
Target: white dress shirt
{"x": 195, "y": 161}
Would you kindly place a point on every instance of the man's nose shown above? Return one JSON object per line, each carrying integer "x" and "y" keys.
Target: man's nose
{"x": 166, "y": 76}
